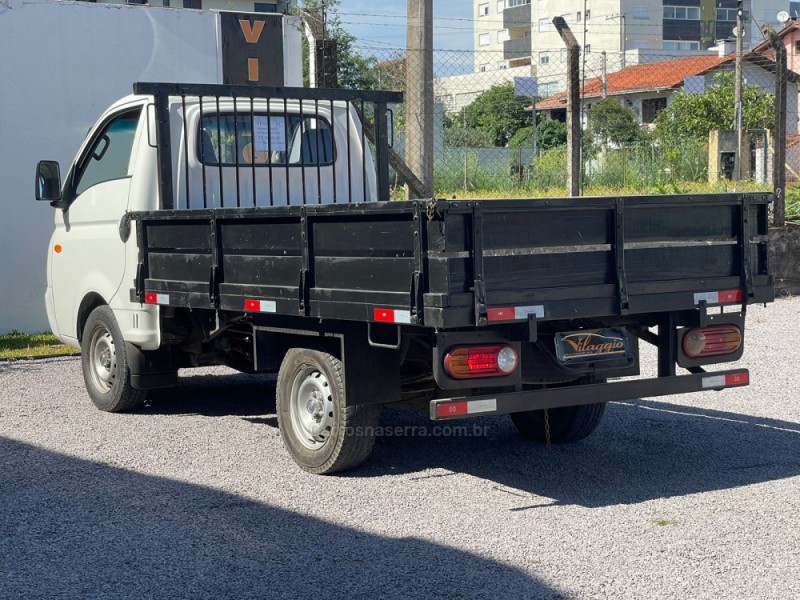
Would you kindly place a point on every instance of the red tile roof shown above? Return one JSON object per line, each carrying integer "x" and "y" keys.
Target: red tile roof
{"x": 642, "y": 78}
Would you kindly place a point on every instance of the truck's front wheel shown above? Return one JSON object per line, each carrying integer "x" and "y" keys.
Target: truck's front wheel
{"x": 105, "y": 364}
{"x": 323, "y": 434}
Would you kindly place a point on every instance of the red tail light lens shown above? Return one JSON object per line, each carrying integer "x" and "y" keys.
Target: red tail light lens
{"x": 712, "y": 341}
{"x": 468, "y": 362}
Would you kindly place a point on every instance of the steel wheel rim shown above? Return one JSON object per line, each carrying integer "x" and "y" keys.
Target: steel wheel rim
{"x": 311, "y": 408}
{"x": 102, "y": 359}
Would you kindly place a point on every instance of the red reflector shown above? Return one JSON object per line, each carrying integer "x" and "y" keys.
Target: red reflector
{"x": 735, "y": 379}
{"x": 501, "y": 314}
{"x": 150, "y": 298}
{"x": 452, "y": 409}
{"x": 384, "y": 315}
{"x": 252, "y": 305}
{"x": 730, "y": 296}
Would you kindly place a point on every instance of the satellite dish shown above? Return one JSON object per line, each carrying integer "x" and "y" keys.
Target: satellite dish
{"x": 782, "y": 16}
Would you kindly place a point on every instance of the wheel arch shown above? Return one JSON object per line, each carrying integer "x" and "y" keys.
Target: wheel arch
{"x": 90, "y": 301}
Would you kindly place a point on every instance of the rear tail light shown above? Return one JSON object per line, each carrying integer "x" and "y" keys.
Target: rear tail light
{"x": 468, "y": 362}
{"x": 712, "y": 341}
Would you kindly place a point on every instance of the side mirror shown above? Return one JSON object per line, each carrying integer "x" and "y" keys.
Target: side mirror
{"x": 48, "y": 181}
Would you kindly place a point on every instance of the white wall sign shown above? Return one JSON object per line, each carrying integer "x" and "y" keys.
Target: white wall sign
{"x": 526, "y": 86}
{"x": 695, "y": 84}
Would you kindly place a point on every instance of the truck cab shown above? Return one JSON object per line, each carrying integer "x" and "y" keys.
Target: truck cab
{"x": 266, "y": 153}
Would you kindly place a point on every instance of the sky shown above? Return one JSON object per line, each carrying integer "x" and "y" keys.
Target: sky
{"x": 381, "y": 27}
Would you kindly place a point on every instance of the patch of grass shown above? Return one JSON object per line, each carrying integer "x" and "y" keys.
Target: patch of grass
{"x": 665, "y": 522}
{"x": 27, "y": 345}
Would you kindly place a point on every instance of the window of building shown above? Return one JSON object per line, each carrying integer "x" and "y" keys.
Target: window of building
{"x": 502, "y": 65}
{"x": 484, "y": 67}
{"x": 588, "y": 15}
{"x": 726, "y": 14}
{"x": 682, "y": 13}
{"x": 197, "y": 4}
{"x": 265, "y": 7}
{"x": 680, "y": 45}
{"x": 513, "y": 3}
{"x": 136, "y": 2}
{"x": 797, "y": 47}
{"x": 544, "y": 59}
{"x": 501, "y": 4}
{"x": 483, "y": 39}
{"x": 548, "y": 88}
{"x": 651, "y": 107}
{"x": 483, "y": 10}
{"x": 578, "y": 16}
{"x": 503, "y": 36}
{"x": 545, "y": 25}
{"x": 641, "y": 12}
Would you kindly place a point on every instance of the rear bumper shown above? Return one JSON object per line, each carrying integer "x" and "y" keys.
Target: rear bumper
{"x": 455, "y": 408}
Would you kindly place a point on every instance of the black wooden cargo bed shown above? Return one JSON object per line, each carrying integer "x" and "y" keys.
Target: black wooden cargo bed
{"x": 450, "y": 264}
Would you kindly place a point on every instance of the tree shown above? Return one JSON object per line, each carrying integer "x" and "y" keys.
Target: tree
{"x": 498, "y": 112}
{"x": 458, "y": 137}
{"x": 693, "y": 116}
{"x": 354, "y": 70}
{"x": 609, "y": 121}
{"x": 549, "y": 134}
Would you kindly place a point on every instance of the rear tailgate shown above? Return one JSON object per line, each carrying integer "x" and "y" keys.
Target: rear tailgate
{"x": 502, "y": 260}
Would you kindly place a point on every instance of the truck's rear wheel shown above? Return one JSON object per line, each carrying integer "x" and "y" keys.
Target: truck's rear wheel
{"x": 104, "y": 363}
{"x": 322, "y": 434}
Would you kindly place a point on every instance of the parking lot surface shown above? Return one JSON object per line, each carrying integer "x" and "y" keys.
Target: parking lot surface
{"x": 693, "y": 496}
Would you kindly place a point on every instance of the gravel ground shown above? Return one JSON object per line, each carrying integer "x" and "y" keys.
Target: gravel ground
{"x": 693, "y": 496}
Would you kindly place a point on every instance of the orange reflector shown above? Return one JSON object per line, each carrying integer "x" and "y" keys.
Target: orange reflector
{"x": 712, "y": 341}
{"x": 497, "y": 360}
{"x": 57, "y": 248}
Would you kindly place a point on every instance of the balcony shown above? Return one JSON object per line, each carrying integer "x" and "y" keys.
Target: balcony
{"x": 517, "y": 16}
{"x": 517, "y": 48}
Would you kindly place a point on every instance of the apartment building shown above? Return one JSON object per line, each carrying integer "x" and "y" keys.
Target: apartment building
{"x": 629, "y": 31}
{"x": 235, "y": 5}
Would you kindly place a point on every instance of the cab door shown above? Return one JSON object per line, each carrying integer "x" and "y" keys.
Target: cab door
{"x": 88, "y": 253}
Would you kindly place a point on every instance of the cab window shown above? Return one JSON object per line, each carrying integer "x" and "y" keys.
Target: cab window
{"x": 109, "y": 156}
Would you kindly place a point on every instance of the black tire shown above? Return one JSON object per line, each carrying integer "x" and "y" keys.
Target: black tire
{"x": 321, "y": 434}
{"x": 104, "y": 363}
{"x": 567, "y": 425}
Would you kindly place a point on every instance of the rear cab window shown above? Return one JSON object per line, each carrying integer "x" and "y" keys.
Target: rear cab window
{"x": 275, "y": 139}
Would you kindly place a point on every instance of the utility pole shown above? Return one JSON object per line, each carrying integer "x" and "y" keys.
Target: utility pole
{"x": 419, "y": 95}
{"x": 779, "y": 139}
{"x": 573, "y": 106}
{"x": 604, "y": 74}
{"x": 621, "y": 17}
{"x": 740, "y": 149}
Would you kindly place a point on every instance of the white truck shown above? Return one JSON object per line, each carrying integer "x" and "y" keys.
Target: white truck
{"x": 249, "y": 226}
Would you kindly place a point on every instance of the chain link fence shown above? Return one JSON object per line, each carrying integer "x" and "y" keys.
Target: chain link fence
{"x": 651, "y": 123}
